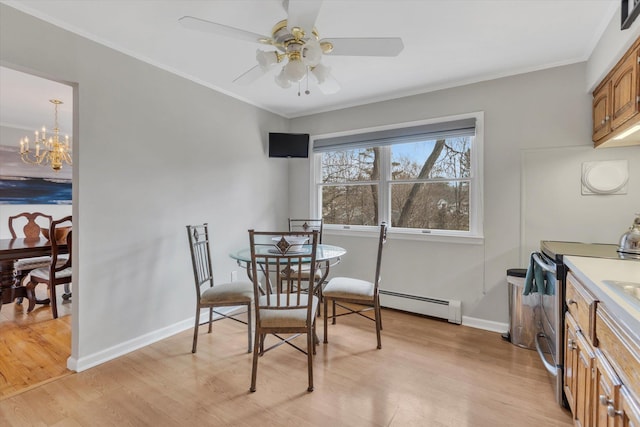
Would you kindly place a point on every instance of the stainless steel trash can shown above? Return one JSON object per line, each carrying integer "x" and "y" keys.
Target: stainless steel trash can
{"x": 522, "y": 311}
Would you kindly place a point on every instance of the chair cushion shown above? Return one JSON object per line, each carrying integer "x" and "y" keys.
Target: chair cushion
{"x": 32, "y": 263}
{"x": 293, "y": 318}
{"x": 346, "y": 287}
{"x": 240, "y": 292}
{"x": 43, "y": 273}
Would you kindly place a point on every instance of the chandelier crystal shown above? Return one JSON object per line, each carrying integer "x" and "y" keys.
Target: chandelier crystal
{"x": 52, "y": 151}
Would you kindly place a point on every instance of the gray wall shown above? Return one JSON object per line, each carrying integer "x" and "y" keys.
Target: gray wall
{"x": 154, "y": 152}
{"x": 542, "y": 109}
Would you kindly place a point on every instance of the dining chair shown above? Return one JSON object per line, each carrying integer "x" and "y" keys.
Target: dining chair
{"x": 306, "y": 225}
{"x": 208, "y": 295}
{"x": 341, "y": 290}
{"x": 282, "y": 308}
{"x": 31, "y": 224}
{"x": 58, "y": 272}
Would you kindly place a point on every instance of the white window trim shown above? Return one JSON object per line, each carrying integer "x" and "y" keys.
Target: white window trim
{"x": 474, "y": 235}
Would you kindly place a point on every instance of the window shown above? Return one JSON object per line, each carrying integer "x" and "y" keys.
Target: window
{"x": 419, "y": 177}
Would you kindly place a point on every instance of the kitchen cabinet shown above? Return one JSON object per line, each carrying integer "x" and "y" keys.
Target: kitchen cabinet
{"x": 578, "y": 372}
{"x": 606, "y": 391}
{"x": 630, "y": 409}
{"x": 601, "y": 361}
{"x": 616, "y": 102}
{"x": 601, "y": 113}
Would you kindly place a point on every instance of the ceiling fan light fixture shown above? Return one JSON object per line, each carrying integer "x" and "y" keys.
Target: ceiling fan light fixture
{"x": 321, "y": 72}
{"x": 312, "y": 52}
{"x": 266, "y": 60}
{"x": 282, "y": 80}
{"x": 295, "y": 70}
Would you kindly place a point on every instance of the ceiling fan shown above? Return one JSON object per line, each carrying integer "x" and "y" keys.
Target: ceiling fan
{"x": 298, "y": 46}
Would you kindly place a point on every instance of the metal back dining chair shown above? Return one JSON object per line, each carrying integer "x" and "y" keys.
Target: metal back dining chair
{"x": 221, "y": 295}
{"x": 341, "y": 290}
{"x": 302, "y": 225}
{"x": 58, "y": 272}
{"x": 307, "y": 225}
{"x": 282, "y": 306}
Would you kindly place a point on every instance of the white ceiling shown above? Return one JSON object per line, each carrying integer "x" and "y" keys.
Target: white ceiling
{"x": 447, "y": 42}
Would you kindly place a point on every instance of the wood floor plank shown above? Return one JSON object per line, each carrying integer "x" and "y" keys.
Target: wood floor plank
{"x": 34, "y": 347}
{"x": 427, "y": 373}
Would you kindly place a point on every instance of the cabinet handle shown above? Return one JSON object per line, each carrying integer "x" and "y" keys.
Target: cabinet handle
{"x": 607, "y": 118}
{"x": 611, "y": 411}
{"x": 605, "y": 401}
{"x": 603, "y": 121}
{"x": 571, "y": 344}
{"x": 572, "y": 301}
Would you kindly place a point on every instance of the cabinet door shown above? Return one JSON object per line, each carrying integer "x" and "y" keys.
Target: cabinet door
{"x": 601, "y": 113}
{"x": 630, "y": 409}
{"x": 624, "y": 91}
{"x": 605, "y": 396}
{"x": 584, "y": 373}
{"x": 570, "y": 345}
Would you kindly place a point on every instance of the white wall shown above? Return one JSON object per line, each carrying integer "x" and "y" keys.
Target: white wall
{"x": 549, "y": 108}
{"x": 154, "y": 152}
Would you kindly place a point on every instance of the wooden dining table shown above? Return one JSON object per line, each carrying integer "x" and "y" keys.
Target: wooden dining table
{"x": 12, "y": 250}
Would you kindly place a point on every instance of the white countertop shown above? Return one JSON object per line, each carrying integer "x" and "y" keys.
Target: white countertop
{"x": 594, "y": 272}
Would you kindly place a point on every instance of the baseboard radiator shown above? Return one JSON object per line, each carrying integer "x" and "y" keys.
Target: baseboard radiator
{"x": 450, "y": 310}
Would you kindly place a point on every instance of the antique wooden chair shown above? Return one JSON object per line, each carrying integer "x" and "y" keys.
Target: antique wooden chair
{"x": 282, "y": 308}
{"x": 210, "y": 296}
{"x": 33, "y": 222}
{"x": 58, "y": 272}
{"x": 355, "y": 291}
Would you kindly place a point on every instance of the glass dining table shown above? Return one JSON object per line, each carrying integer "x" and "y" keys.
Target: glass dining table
{"x": 326, "y": 257}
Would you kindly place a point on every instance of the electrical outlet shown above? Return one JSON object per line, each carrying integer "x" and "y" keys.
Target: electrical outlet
{"x": 234, "y": 276}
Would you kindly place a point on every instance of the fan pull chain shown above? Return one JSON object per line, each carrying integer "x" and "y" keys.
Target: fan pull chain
{"x": 307, "y": 91}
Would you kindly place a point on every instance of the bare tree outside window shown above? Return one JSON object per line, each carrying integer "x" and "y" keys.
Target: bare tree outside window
{"x": 429, "y": 184}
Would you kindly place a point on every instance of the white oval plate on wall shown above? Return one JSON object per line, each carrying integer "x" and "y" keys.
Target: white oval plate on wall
{"x": 605, "y": 177}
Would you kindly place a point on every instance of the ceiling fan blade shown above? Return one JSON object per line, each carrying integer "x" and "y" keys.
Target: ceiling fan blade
{"x": 198, "y": 24}
{"x": 250, "y": 76}
{"x": 303, "y": 14}
{"x": 369, "y": 46}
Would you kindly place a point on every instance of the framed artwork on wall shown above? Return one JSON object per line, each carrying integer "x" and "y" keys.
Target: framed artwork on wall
{"x": 629, "y": 10}
{"x": 25, "y": 184}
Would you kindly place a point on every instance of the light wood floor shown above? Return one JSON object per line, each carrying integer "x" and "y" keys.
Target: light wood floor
{"x": 428, "y": 373}
{"x": 34, "y": 347}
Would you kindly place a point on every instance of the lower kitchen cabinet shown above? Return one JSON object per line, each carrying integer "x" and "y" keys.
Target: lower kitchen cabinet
{"x": 630, "y": 414}
{"x": 606, "y": 392}
{"x": 602, "y": 362}
{"x": 578, "y": 373}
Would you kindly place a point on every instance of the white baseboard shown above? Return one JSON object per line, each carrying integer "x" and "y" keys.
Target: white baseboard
{"x": 487, "y": 325}
{"x": 123, "y": 348}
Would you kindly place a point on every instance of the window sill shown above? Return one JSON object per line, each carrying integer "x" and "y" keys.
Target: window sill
{"x": 405, "y": 235}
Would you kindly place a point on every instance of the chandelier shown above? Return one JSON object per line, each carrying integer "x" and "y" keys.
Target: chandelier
{"x": 302, "y": 55}
{"x": 52, "y": 151}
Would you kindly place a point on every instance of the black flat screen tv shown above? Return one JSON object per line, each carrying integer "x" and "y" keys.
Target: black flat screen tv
{"x": 288, "y": 144}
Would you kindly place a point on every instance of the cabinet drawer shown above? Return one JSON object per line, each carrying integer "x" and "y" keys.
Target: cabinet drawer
{"x": 621, "y": 349}
{"x": 582, "y": 306}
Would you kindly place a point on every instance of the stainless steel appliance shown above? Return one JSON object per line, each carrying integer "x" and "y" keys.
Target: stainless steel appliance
{"x": 550, "y": 313}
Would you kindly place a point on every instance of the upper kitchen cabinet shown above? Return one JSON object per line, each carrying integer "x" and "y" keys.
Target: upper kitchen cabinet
{"x": 616, "y": 118}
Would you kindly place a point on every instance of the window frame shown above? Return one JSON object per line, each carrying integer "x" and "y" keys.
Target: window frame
{"x": 476, "y": 210}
